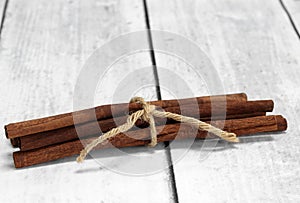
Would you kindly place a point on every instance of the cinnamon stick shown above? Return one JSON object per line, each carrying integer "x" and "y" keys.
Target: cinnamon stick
{"x": 69, "y": 133}
{"x": 233, "y": 110}
{"x": 243, "y": 126}
{"x": 19, "y": 129}
{"x": 15, "y": 142}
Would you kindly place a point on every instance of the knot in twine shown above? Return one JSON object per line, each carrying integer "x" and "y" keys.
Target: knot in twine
{"x": 147, "y": 114}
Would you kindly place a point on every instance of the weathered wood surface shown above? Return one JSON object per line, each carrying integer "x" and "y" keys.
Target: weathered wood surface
{"x": 293, "y": 10}
{"x": 2, "y": 5}
{"x": 44, "y": 44}
{"x": 255, "y": 50}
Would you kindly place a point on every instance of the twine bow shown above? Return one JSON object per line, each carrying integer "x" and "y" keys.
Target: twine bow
{"x": 147, "y": 114}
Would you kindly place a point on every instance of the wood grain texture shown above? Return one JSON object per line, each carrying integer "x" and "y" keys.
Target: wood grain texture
{"x": 254, "y": 49}
{"x": 43, "y": 47}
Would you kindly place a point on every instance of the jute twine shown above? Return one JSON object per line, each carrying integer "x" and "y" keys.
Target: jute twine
{"x": 147, "y": 114}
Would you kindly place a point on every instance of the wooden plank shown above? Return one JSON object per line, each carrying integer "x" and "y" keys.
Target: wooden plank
{"x": 2, "y": 4}
{"x": 255, "y": 50}
{"x": 293, "y": 10}
{"x": 43, "y": 48}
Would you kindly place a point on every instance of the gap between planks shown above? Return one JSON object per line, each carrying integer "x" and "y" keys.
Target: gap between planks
{"x": 3, "y": 16}
{"x": 289, "y": 15}
{"x": 159, "y": 97}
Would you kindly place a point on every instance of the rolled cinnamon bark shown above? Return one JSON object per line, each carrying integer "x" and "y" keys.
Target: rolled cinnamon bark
{"x": 230, "y": 109}
{"x": 140, "y": 137}
{"x": 15, "y": 142}
{"x": 20, "y": 129}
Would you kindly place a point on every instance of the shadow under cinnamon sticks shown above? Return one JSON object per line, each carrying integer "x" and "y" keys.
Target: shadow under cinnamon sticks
{"x": 244, "y": 126}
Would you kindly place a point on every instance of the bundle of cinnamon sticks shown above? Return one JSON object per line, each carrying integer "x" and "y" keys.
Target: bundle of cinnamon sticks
{"x": 51, "y": 138}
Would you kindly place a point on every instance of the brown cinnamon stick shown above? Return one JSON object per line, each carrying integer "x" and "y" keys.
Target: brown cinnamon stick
{"x": 243, "y": 126}
{"x": 232, "y": 109}
{"x": 69, "y": 133}
{"x": 15, "y": 142}
{"x": 19, "y": 129}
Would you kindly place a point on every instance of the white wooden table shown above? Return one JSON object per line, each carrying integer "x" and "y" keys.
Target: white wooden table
{"x": 255, "y": 48}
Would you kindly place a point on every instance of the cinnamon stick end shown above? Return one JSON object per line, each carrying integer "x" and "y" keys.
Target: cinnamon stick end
{"x": 15, "y": 142}
{"x": 272, "y": 105}
{"x": 269, "y": 105}
{"x": 10, "y": 131}
{"x": 6, "y": 131}
{"x": 18, "y": 159}
{"x": 244, "y": 96}
{"x": 281, "y": 123}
